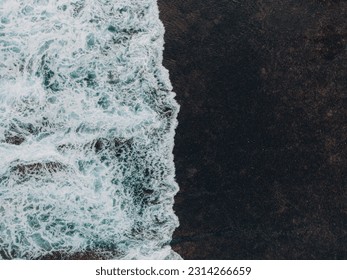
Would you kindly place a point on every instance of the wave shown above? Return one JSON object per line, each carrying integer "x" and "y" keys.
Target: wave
{"x": 87, "y": 121}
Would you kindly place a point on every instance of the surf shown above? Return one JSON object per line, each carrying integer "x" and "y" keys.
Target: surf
{"x": 87, "y": 123}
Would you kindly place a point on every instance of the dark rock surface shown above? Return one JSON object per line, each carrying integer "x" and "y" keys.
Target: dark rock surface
{"x": 261, "y": 152}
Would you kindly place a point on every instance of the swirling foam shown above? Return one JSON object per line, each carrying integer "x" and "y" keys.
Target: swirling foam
{"x": 87, "y": 120}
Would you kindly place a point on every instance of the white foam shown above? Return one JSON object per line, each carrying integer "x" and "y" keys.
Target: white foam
{"x": 87, "y": 119}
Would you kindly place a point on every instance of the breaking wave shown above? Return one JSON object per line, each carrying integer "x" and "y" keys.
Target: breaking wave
{"x": 87, "y": 119}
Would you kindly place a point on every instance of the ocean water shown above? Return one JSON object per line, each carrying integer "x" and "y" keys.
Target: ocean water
{"x": 87, "y": 120}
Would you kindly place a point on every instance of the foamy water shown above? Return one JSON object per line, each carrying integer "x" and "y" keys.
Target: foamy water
{"x": 87, "y": 119}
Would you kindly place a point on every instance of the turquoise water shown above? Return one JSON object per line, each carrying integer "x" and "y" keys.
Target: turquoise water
{"x": 87, "y": 119}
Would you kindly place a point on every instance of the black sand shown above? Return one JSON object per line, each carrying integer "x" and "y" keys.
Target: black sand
{"x": 261, "y": 152}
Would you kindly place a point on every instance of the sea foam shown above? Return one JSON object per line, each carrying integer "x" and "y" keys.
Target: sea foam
{"x": 87, "y": 120}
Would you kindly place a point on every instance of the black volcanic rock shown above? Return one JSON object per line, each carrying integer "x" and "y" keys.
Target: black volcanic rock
{"x": 260, "y": 152}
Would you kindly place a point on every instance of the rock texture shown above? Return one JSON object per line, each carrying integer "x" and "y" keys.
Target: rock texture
{"x": 261, "y": 152}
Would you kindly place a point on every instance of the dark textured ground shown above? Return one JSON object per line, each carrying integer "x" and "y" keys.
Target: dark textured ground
{"x": 261, "y": 152}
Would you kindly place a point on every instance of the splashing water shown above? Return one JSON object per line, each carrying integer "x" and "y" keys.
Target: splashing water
{"x": 87, "y": 121}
